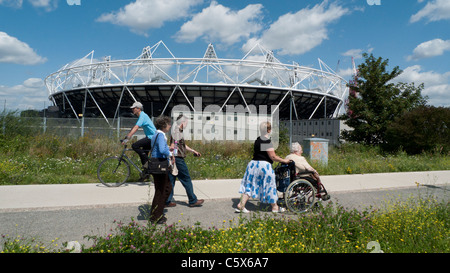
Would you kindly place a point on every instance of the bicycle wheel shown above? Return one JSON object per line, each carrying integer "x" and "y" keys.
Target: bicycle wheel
{"x": 300, "y": 196}
{"x": 113, "y": 171}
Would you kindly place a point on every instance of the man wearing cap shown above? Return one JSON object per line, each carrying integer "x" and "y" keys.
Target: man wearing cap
{"x": 142, "y": 146}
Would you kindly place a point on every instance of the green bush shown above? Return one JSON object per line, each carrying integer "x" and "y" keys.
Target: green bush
{"x": 14, "y": 124}
{"x": 424, "y": 129}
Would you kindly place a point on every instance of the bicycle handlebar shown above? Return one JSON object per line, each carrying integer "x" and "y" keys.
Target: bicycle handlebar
{"x": 124, "y": 143}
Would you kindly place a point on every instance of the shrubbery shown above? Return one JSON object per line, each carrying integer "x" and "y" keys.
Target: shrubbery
{"x": 374, "y": 101}
{"x": 426, "y": 128}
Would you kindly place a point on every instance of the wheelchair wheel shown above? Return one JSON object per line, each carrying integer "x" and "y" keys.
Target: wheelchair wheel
{"x": 300, "y": 196}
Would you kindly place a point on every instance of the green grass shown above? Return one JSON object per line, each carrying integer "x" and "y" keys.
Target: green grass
{"x": 417, "y": 225}
{"x": 359, "y": 159}
{"x": 46, "y": 159}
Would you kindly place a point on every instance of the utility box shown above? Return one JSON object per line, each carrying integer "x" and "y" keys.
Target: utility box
{"x": 316, "y": 149}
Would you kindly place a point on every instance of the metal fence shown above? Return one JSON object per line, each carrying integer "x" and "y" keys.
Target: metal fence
{"x": 197, "y": 129}
{"x": 112, "y": 128}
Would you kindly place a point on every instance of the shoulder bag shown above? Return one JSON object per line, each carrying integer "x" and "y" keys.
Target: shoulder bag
{"x": 157, "y": 165}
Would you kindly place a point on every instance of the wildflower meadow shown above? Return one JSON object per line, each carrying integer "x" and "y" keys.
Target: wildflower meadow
{"x": 411, "y": 226}
{"x": 46, "y": 159}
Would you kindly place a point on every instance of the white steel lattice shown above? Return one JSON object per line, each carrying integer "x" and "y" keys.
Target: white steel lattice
{"x": 258, "y": 68}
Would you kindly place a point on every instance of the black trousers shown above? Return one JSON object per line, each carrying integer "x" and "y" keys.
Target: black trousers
{"x": 163, "y": 188}
{"x": 142, "y": 147}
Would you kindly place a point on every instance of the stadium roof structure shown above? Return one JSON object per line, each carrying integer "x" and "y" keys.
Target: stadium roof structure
{"x": 159, "y": 80}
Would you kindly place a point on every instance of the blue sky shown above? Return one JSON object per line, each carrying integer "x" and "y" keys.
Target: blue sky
{"x": 37, "y": 37}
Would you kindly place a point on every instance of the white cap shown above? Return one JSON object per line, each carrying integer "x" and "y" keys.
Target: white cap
{"x": 137, "y": 105}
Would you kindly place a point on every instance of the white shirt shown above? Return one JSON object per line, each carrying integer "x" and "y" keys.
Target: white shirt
{"x": 301, "y": 164}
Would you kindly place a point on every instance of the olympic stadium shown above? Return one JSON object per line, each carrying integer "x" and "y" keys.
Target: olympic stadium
{"x": 105, "y": 88}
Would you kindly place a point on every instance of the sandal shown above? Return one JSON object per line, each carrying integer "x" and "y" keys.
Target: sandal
{"x": 280, "y": 209}
{"x": 244, "y": 210}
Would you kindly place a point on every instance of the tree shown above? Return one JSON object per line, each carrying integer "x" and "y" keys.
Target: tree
{"x": 426, "y": 128}
{"x": 29, "y": 114}
{"x": 375, "y": 101}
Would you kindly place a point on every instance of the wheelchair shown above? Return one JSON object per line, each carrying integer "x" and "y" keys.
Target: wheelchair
{"x": 300, "y": 191}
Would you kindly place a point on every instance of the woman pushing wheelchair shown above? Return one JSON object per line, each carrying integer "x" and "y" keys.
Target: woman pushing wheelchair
{"x": 259, "y": 178}
{"x": 260, "y": 181}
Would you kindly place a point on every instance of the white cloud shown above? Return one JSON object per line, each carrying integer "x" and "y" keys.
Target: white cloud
{"x": 297, "y": 33}
{"x": 34, "y": 83}
{"x": 12, "y": 3}
{"x": 430, "y": 49}
{"x": 48, "y": 5}
{"x": 217, "y": 23}
{"x": 31, "y": 94}
{"x": 346, "y": 73}
{"x": 142, "y": 15}
{"x": 14, "y": 51}
{"x": 437, "y": 85}
{"x": 414, "y": 74}
{"x": 433, "y": 11}
{"x": 356, "y": 53}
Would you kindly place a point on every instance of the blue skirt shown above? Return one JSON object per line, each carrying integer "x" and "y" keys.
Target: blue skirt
{"x": 259, "y": 182}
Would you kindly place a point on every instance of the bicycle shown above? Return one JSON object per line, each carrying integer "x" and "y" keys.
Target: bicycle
{"x": 114, "y": 171}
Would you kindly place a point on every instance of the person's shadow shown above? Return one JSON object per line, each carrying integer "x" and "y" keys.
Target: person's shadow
{"x": 251, "y": 205}
{"x": 145, "y": 211}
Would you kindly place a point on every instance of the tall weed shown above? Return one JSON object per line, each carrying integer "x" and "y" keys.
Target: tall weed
{"x": 45, "y": 158}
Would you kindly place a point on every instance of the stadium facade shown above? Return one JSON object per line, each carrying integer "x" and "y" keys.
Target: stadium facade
{"x": 89, "y": 87}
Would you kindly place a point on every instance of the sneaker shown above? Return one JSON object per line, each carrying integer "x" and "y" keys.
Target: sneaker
{"x": 244, "y": 210}
{"x": 280, "y": 209}
{"x": 197, "y": 204}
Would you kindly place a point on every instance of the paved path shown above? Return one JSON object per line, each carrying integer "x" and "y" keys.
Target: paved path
{"x": 55, "y": 196}
{"x": 69, "y": 212}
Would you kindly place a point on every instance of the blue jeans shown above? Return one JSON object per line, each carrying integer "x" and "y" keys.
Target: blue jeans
{"x": 185, "y": 179}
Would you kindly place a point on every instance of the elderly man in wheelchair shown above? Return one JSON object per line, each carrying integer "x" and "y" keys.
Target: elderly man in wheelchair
{"x": 299, "y": 182}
